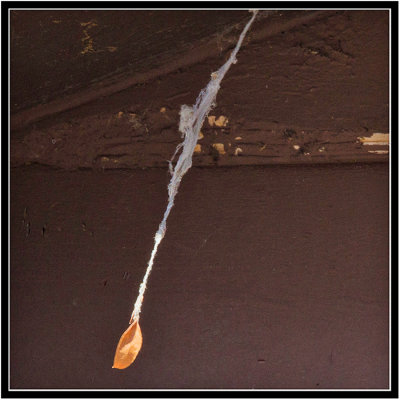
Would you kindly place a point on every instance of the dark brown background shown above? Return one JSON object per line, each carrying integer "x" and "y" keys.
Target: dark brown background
{"x": 288, "y": 265}
{"x": 270, "y": 276}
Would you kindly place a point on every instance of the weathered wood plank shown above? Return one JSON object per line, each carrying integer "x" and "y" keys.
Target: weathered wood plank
{"x": 306, "y": 95}
{"x": 282, "y": 272}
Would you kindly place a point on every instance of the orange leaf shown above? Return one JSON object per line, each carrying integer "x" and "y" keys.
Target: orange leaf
{"x": 128, "y": 346}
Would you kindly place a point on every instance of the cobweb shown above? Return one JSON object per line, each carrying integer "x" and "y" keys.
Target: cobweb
{"x": 191, "y": 121}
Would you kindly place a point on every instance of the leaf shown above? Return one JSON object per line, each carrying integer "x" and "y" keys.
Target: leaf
{"x": 128, "y": 346}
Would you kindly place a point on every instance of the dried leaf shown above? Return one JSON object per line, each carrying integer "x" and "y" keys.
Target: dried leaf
{"x": 128, "y": 346}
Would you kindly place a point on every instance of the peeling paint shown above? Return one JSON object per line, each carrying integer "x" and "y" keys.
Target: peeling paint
{"x": 238, "y": 138}
{"x": 89, "y": 24}
{"x": 379, "y": 151}
{"x": 211, "y": 120}
{"x": 296, "y": 147}
{"x": 377, "y": 139}
{"x": 238, "y": 151}
{"x": 197, "y": 148}
{"x": 87, "y": 40}
{"x": 220, "y": 148}
{"x": 201, "y": 136}
{"x": 220, "y": 122}
{"x": 163, "y": 110}
{"x": 134, "y": 121}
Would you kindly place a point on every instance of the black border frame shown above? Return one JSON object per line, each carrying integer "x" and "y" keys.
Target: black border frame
{"x": 312, "y": 393}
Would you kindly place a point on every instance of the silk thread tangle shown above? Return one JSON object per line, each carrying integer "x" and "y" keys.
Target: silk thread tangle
{"x": 191, "y": 121}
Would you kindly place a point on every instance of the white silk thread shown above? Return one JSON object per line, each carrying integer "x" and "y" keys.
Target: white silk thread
{"x": 191, "y": 121}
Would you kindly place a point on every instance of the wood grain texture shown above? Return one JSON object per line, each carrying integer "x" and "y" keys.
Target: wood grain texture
{"x": 301, "y": 95}
{"x": 148, "y": 44}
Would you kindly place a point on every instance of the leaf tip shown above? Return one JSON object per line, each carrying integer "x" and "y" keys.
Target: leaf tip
{"x": 128, "y": 346}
